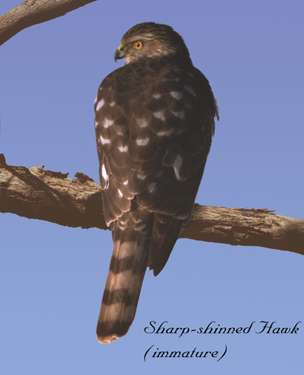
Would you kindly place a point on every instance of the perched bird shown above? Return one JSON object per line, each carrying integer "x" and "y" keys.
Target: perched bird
{"x": 154, "y": 123}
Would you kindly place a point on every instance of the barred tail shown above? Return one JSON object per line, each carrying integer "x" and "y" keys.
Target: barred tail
{"x": 124, "y": 282}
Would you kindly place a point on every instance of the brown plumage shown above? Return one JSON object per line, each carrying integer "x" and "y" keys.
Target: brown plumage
{"x": 125, "y": 277}
{"x": 154, "y": 124}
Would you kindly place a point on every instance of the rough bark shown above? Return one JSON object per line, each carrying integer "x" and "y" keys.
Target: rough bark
{"x": 40, "y": 194}
{"x": 32, "y": 12}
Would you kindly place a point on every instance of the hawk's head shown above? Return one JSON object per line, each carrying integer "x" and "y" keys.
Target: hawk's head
{"x": 149, "y": 40}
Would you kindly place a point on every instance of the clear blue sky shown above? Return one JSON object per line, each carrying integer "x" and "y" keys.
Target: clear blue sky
{"x": 51, "y": 277}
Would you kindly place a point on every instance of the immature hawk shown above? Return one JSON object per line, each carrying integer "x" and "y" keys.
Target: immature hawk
{"x": 154, "y": 124}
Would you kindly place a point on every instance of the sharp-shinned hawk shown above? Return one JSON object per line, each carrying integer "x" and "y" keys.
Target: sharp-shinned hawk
{"x": 154, "y": 125}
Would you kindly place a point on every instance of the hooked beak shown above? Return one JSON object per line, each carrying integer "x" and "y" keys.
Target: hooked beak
{"x": 119, "y": 53}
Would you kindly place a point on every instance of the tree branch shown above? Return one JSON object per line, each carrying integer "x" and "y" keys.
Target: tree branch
{"x": 32, "y": 12}
{"x": 40, "y": 194}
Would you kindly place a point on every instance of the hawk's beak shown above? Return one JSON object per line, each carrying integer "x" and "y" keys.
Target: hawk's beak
{"x": 119, "y": 53}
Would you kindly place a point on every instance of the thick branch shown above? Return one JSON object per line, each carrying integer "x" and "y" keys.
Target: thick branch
{"x": 52, "y": 196}
{"x": 32, "y": 12}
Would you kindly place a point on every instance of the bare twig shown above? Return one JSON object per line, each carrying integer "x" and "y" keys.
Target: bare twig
{"x": 40, "y": 194}
{"x": 32, "y": 12}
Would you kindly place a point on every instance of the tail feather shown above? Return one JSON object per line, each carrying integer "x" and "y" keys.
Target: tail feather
{"x": 164, "y": 235}
{"x": 123, "y": 286}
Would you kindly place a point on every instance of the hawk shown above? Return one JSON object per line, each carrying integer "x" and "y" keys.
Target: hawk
{"x": 154, "y": 124}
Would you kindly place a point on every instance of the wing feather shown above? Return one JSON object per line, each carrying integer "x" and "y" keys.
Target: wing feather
{"x": 154, "y": 126}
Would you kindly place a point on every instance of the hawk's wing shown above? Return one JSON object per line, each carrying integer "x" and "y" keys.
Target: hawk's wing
{"x": 154, "y": 126}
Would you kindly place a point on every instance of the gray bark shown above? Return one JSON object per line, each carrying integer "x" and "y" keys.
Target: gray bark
{"x": 40, "y": 194}
{"x": 32, "y": 12}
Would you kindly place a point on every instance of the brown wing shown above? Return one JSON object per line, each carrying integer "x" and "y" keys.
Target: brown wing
{"x": 154, "y": 125}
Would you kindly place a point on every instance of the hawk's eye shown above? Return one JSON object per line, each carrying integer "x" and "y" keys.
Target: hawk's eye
{"x": 138, "y": 44}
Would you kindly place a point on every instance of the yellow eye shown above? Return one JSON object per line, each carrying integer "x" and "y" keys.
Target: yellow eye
{"x": 138, "y": 44}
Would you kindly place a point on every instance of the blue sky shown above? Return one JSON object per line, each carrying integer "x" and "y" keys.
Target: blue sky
{"x": 52, "y": 277}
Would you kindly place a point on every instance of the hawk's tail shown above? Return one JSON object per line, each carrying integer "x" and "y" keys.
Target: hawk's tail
{"x": 125, "y": 278}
